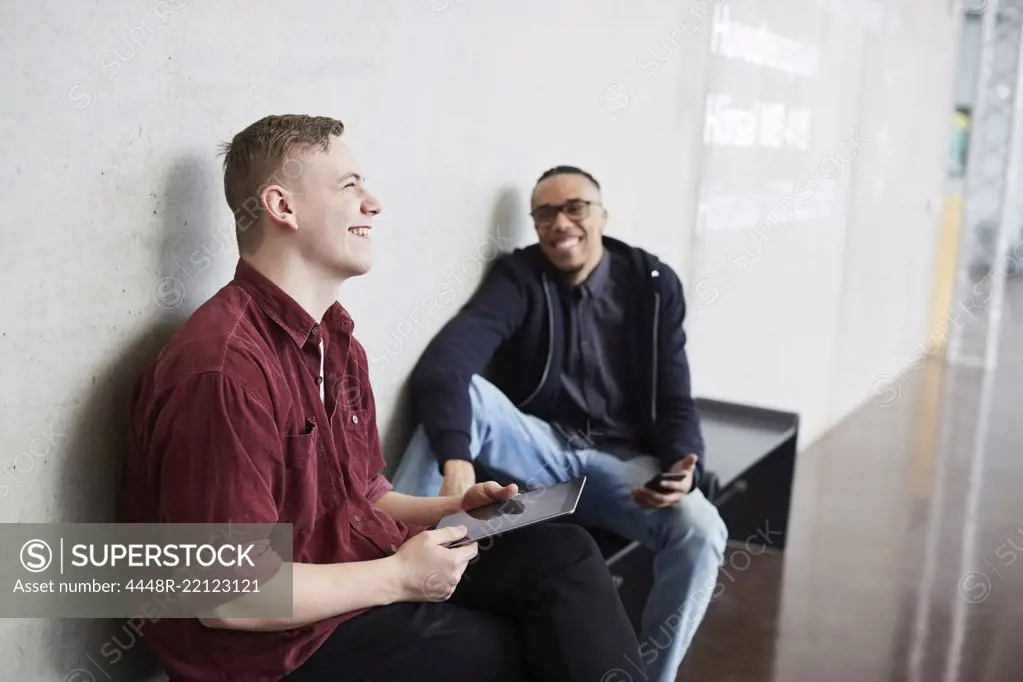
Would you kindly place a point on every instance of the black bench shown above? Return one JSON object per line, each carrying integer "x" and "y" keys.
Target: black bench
{"x": 753, "y": 453}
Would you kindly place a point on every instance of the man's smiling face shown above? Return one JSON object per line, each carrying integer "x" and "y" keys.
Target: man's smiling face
{"x": 569, "y": 221}
{"x": 334, "y": 211}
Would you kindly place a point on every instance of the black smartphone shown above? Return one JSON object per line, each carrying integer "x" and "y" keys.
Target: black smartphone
{"x": 655, "y": 482}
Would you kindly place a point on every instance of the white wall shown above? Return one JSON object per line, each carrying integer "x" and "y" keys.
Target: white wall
{"x": 117, "y": 227}
{"x": 804, "y": 312}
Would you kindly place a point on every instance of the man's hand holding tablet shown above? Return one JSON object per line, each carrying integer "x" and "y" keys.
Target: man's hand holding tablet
{"x": 487, "y": 493}
{"x": 431, "y": 567}
{"x": 506, "y": 510}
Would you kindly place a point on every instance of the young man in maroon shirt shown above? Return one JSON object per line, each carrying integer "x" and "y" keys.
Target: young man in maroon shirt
{"x": 260, "y": 410}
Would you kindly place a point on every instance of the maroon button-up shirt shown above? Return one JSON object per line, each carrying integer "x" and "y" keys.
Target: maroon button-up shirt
{"x": 228, "y": 424}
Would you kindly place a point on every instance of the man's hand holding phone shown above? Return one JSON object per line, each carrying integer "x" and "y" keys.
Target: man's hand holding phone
{"x": 667, "y": 489}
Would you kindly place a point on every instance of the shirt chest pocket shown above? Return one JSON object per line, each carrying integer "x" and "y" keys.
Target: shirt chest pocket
{"x": 308, "y": 484}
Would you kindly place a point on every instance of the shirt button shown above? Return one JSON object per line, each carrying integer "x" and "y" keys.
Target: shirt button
{"x": 355, "y": 419}
{"x": 394, "y": 549}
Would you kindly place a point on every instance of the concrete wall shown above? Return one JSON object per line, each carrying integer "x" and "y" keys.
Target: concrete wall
{"x": 117, "y": 227}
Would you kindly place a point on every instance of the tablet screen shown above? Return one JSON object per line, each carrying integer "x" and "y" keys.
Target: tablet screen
{"x": 522, "y": 510}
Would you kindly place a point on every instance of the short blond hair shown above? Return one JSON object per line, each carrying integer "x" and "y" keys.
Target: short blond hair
{"x": 261, "y": 155}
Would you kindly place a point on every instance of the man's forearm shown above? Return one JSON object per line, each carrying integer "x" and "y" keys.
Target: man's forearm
{"x": 319, "y": 591}
{"x": 418, "y": 511}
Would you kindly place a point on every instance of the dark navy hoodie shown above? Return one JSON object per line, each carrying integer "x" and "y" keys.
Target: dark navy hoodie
{"x": 512, "y": 332}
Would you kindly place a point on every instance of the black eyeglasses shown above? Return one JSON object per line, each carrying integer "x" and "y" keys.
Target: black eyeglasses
{"x": 575, "y": 209}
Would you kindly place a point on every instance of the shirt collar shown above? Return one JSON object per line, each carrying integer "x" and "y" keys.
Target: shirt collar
{"x": 286, "y": 311}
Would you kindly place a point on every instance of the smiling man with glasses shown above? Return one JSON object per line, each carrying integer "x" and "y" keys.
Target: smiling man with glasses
{"x": 580, "y": 340}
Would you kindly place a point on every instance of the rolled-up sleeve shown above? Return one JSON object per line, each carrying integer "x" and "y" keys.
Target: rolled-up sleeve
{"x": 377, "y": 484}
{"x": 377, "y": 488}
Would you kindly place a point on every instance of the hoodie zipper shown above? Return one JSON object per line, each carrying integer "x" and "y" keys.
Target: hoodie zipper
{"x": 653, "y": 382}
{"x": 550, "y": 344}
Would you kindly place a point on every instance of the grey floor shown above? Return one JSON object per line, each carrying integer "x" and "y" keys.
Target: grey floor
{"x": 905, "y": 555}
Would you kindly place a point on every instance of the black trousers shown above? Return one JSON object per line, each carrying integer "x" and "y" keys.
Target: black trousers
{"x": 536, "y": 605}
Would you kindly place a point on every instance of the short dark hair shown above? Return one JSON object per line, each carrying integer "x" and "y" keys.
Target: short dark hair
{"x": 568, "y": 170}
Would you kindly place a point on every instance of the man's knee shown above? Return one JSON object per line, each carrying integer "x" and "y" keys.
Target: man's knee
{"x": 571, "y": 542}
{"x": 578, "y": 538}
{"x": 483, "y": 394}
{"x": 493, "y": 413}
{"x": 698, "y": 529}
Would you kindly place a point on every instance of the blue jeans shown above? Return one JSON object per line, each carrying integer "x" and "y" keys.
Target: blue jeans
{"x": 688, "y": 539}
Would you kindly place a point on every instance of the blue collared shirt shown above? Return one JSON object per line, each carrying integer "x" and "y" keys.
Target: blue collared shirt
{"x": 592, "y": 410}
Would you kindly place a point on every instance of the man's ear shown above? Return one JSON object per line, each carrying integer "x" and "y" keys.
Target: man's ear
{"x": 278, "y": 203}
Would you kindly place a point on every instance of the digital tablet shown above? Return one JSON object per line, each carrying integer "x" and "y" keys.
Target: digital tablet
{"x": 525, "y": 509}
